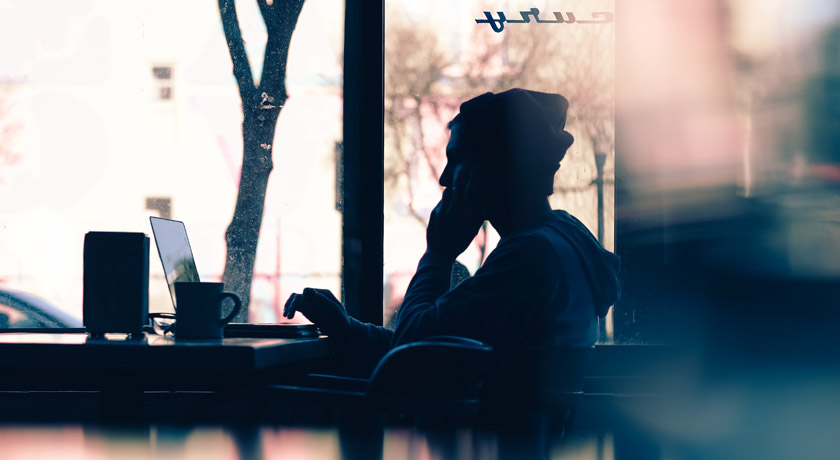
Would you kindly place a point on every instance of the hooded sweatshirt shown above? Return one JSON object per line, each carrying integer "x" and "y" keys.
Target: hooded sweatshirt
{"x": 543, "y": 286}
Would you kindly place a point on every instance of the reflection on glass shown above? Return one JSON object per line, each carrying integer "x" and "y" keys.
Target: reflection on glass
{"x": 729, "y": 170}
{"x": 269, "y": 443}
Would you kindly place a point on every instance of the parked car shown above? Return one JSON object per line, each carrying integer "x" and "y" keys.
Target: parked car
{"x": 23, "y": 310}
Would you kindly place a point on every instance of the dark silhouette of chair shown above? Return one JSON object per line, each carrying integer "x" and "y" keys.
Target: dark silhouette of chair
{"x": 438, "y": 376}
{"x": 430, "y": 384}
{"x": 527, "y": 400}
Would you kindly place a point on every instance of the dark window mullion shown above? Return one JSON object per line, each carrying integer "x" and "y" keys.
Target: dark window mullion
{"x": 363, "y": 159}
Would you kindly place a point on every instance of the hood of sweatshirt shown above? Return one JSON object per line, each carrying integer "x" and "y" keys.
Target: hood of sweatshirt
{"x": 600, "y": 266}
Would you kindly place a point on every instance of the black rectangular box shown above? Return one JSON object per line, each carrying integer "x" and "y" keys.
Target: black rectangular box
{"x": 116, "y": 282}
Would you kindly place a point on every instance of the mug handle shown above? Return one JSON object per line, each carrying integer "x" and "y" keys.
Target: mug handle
{"x": 237, "y": 305}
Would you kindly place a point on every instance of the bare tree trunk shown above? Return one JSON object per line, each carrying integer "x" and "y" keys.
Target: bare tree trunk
{"x": 261, "y": 106}
{"x": 243, "y": 232}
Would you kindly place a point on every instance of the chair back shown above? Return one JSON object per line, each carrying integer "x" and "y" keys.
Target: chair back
{"x": 436, "y": 368}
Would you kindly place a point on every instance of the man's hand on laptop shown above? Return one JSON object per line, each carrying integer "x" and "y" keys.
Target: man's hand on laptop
{"x": 322, "y": 308}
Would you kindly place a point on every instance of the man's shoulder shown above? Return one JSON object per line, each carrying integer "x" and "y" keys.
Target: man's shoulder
{"x": 552, "y": 243}
{"x": 553, "y": 231}
{"x": 530, "y": 247}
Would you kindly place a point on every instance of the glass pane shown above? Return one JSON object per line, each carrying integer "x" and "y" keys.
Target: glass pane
{"x": 111, "y": 112}
{"x": 437, "y": 56}
{"x": 729, "y": 172}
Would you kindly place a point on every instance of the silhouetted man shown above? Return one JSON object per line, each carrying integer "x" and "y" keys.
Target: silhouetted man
{"x": 547, "y": 281}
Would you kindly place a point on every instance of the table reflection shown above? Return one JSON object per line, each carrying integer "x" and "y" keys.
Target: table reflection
{"x": 263, "y": 443}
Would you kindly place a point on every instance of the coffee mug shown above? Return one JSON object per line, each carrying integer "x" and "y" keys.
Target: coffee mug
{"x": 199, "y": 310}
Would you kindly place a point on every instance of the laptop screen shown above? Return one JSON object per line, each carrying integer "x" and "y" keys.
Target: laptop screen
{"x": 175, "y": 252}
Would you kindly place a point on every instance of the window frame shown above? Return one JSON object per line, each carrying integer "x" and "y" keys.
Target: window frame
{"x": 363, "y": 160}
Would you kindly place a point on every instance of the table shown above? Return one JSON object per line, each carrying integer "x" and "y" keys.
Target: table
{"x": 151, "y": 353}
{"x": 122, "y": 369}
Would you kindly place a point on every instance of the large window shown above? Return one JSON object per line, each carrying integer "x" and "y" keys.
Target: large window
{"x": 685, "y": 114}
{"x": 111, "y": 112}
{"x": 437, "y": 56}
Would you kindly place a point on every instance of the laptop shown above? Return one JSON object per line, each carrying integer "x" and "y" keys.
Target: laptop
{"x": 178, "y": 263}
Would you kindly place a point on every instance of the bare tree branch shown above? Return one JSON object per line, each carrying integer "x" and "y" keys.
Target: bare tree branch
{"x": 280, "y": 19}
{"x": 236, "y": 46}
{"x": 269, "y": 15}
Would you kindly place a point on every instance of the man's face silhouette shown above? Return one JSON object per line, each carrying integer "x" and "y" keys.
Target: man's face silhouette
{"x": 462, "y": 174}
{"x": 456, "y": 156}
{"x": 469, "y": 175}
